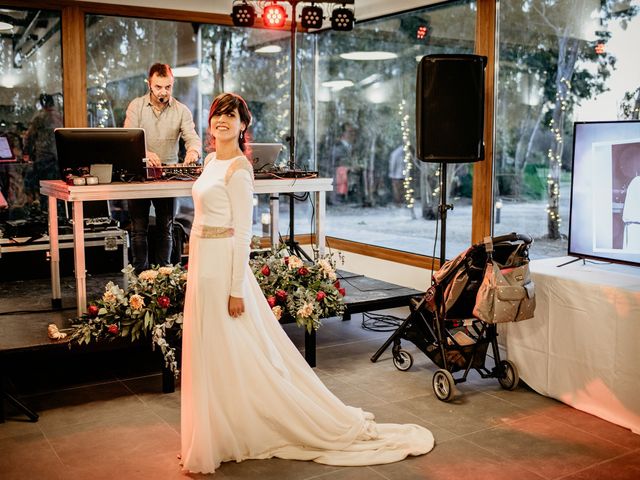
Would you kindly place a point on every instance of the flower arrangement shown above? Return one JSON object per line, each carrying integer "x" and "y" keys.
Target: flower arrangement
{"x": 298, "y": 291}
{"x": 152, "y": 304}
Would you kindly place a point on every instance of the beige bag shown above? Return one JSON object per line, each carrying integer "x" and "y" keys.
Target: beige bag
{"x": 505, "y": 295}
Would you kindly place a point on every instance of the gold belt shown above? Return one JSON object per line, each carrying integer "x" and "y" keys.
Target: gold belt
{"x": 205, "y": 231}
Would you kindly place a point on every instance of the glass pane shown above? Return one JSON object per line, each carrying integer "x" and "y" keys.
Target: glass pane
{"x": 256, "y": 64}
{"x": 30, "y": 108}
{"x": 557, "y": 71}
{"x": 365, "y": 131}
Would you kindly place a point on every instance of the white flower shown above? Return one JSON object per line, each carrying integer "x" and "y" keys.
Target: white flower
{"x": 327, "y": 269}
{"x": 113, "y": 293}
{"x": 295, "y": 262}
{"x": 149, "y": 275}
{"x": 306, "y": 310}
{"x": 165, "y": 270}
{"x": 277, "y": 311}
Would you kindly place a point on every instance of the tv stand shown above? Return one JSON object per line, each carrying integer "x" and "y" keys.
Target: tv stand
{"x": 577, "y": 259}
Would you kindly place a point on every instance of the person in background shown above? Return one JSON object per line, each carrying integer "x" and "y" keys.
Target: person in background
{"x": 396, "y": 175}
{"x": 165, "y": 120}
{"x": 342, "y": 161}
{"x": 40, "y": 145}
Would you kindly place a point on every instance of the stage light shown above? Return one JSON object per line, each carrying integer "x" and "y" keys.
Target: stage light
{"x": 600, "y": 48}
{"x": 342, "y": 19}
{"x": 311, "y": 17}
{"x": 274, "y": 16}
{"x": 422, "y": 32}
{"x": 243, "y": 15}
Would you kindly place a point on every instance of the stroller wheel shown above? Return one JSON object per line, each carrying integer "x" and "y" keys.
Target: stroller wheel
{"x": 510, "y": 378}
{"x": 443, "y": 385}
{"x": 402, "y": 360}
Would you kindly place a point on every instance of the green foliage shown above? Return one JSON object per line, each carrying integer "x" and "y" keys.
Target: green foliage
{"x": 152, "y": 304}
{"x": 298, "y": 291}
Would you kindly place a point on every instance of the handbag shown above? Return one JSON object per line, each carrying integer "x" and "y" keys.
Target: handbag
{"x": 505, "y": 295}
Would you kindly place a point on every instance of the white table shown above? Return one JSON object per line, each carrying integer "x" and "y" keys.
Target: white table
{"x": 59, "y": 190}
{"x": 583, "y": 345}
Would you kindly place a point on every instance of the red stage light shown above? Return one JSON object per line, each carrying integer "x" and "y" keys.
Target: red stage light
{"x": 274, "y": 16}
{"x": 422, "y": 32}
{"x": 600, "y": 48}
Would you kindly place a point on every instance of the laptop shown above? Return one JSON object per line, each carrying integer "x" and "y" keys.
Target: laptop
{"x": 6, "y": 153}
{"x": 264, "y": 156}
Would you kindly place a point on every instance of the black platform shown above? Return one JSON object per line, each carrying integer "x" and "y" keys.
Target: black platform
{"x": 29, "y": 356}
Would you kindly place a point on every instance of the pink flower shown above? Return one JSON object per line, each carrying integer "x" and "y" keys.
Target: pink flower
{"x": 320, "y": 296}
{"x": 164, "y": 301}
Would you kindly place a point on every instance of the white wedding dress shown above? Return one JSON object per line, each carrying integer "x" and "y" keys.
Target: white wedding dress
{"x": 247, "y": 393}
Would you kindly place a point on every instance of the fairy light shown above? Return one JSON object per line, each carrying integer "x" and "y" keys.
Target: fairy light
{"x": 407, "y": 158}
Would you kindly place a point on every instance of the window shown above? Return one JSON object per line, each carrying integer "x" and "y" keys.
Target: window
{"x": 365, "y": 130}
{"x": 558, "y": 70}
{"x": 31, "y": 107}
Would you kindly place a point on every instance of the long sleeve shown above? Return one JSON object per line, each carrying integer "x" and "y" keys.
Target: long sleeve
{"x": 240, "y": 189}
{"x": 188, "y": 129}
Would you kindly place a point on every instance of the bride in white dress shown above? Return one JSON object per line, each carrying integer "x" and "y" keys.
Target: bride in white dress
{"x": 247, "y": 393}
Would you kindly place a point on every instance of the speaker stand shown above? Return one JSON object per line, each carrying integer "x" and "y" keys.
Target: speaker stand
{"x": 442, "y": 210}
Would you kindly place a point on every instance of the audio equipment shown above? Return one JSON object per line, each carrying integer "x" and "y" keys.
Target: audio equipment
{"x": 450, "y": 108}
{"x": 174, "y": 171}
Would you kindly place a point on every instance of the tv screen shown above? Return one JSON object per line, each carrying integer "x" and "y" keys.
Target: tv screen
{"x": 123, "y": 148}
{"x": 605, "y": 191}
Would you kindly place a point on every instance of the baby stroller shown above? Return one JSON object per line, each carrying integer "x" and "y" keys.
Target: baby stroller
{"x": 454, "y": 322}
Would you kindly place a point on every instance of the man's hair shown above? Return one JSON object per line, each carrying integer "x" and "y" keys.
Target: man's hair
{"x": 160, "y": 69}
{"x": 46, "y": 100}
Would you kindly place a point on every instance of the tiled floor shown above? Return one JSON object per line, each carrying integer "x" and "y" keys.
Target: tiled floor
{"x": 115, "y": 426}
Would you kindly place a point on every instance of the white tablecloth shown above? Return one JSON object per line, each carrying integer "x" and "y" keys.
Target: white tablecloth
{"x": 583, "y": 345}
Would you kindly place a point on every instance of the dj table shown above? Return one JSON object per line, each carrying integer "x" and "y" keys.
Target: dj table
{"x": 59, "y": 190}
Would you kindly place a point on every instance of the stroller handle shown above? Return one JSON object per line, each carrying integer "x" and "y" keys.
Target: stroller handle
{"x": 512, "y": 237}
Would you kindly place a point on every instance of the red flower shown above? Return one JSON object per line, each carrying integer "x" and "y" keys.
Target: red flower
{"x": 303, "y": 271}
{"x": 271, "y": 300}
{"x": 320, "y": 296}
{"x": 336, "y": 284}
{"x": 281, "y": 295}
{"x": 286, "y": 260}
{"x": 92, "y": 310}
{"x": 164, "y": 301}
{"x": 266, "y": 270}
{"x": 186, "y": 266}
{"x": 342, "y": 291}
{"x": 113, "y": 329}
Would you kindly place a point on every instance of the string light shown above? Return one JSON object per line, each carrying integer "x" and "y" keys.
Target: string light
{"x": 407, "y": 158}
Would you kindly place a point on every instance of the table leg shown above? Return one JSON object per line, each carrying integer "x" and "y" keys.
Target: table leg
{"x": 78, "y": 256}
{"x": 310, "y": 347}
{"x": 54, "y": 254}
{"x": 274, "y": 209}
{"x": 321, "y": 198}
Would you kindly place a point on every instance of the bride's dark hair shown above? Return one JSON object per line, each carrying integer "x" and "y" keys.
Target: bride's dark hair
{"x": 225, "y": 103}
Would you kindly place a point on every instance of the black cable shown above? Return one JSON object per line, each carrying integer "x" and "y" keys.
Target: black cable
{"x": 435, "y": 239}
{"x": 23, "y": 312}
{"x": 377, "y": 322}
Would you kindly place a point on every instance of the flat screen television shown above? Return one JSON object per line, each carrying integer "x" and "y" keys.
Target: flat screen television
{"x": 123, "y": 148}
{"x": 604, "y": 218}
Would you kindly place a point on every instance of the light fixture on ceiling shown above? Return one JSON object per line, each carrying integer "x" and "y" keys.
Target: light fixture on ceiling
{"x": 182, "y": 72}
{"x": 342, "y": 19}
{"x": 274, "y": 16}
{"x": 337, "y": 84}
{"x": 373, "y": 55}
{"x": 311, "y": 16}
{"x": 243, "y": 15}
{"x": 269, "y": 49}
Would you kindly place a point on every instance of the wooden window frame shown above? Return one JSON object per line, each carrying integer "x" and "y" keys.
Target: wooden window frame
{"x": 75, "y": 98}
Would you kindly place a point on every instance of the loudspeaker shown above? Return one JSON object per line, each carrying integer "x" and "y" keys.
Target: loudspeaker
{"x": 450, "y": 108}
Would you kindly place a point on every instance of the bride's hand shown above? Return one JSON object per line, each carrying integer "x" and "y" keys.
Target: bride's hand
{"x": 236, "y": 306}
